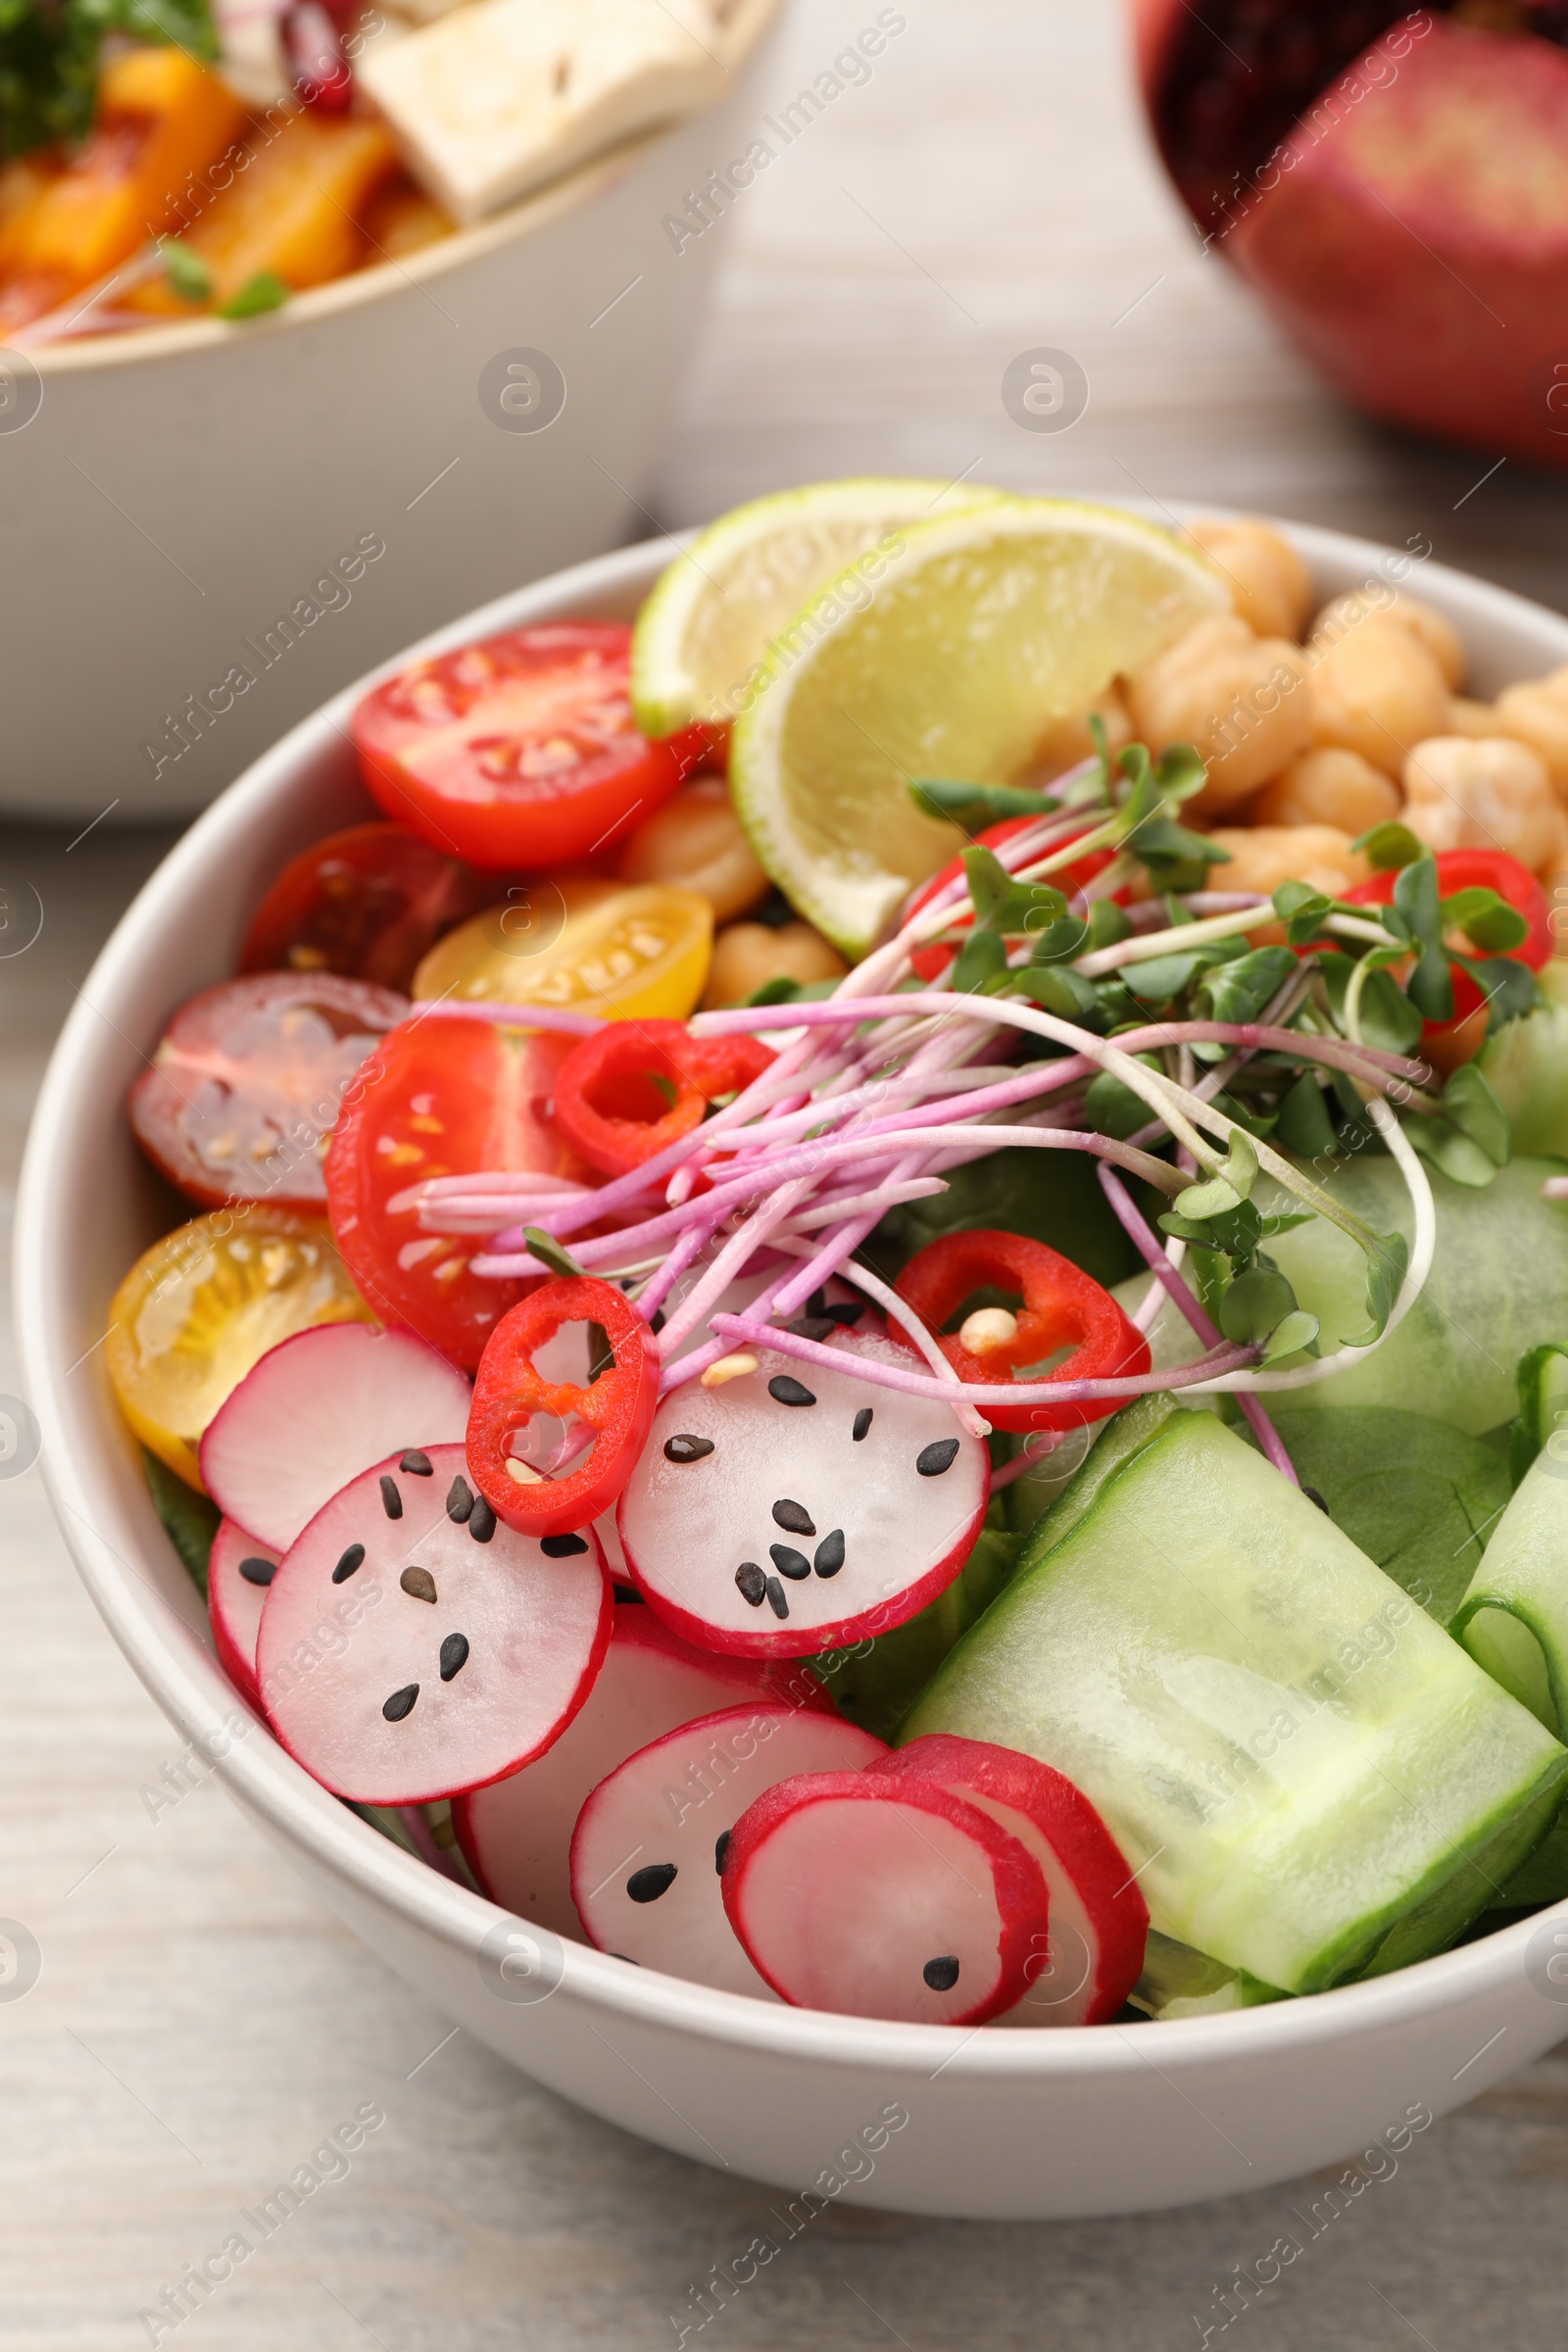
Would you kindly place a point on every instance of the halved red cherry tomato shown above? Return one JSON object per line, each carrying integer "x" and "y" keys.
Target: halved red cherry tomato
{"x": 242, "y": 1093}
{"x": 930, "y": 963}
{"x": 1448, "y": 1044}
{"x": 519, "y": 752}
{"x": 1062, "y": 1305}
{"x": 616, "y": 1409}
{"x": 446, "y": 1095}
{"x": 635, "y": 1087}
{"x": 368, "y": 902}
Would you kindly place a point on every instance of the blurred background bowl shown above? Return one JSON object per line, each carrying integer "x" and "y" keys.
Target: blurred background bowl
{"x": 178, "y": 507}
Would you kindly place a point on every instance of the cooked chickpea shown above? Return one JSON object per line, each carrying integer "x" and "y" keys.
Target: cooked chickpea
{"x": 1493, "y": 793}
{"x": 1270, "y": 586}
{"x": 1536, "y": 712}
{"x": 1376, "y": 690}
{"x": 1262, "y": 857}
{"x": 1467, "y": 717}
{"x": 696, "y": 842}
{"x": 1240, "y": 699}
{"x": 745, "y": 955}
{"x": 1069, "y": 741}
{"x": 1328, "y": 787}
{"x": 1423, "y": 621}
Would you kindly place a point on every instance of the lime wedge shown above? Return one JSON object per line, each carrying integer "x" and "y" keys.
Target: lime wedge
{"x": 705, "y": 631}
{"x": 989, "y": 627}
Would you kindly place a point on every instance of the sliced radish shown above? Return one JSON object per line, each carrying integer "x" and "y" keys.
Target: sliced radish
{"x": 1098, "y": 1919}
{"x": 516, "y": 1833}
{"x": 239, "y": 1571}
{"x": 317, "y": 1410}
{"x": 880, "y": 1894}
{"x": 652, "y": 1839}
{"x": 413, "y": 1647}
{"x": 779, "y": 1515}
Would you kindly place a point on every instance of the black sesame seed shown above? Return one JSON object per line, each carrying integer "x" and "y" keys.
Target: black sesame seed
{"x": 655, "y": 1879}
{"x": 631, "y": 1963}
{"x": 460, "y": 1499}
{"x": 793, "y": 1516}
{"x": 259, "y": 1572}
{"x": 828, "y": 1558}
{"x": 813, "y": 1327}
{"x": 721, "y": 1849}
{"x": 751, "y": 1582}
{"x": 400, "y": 1702}
{"x": 419, "y": 1584}
{"x": 785, "y": 1390}
{"x": 788, "y": 1561}
{"x": 391, "y": 1499}
{"x": 561, "y": 1547}
{"x": 778, "y": 1600}
{"x": 933, "y": 1459}
{"x": 863, "y": 1422}
{"x": 1312, "y": 1493}
{"x": 454, "y": 1656}
{"x": 417, "y": 1464}
{"x": 848, "y": 1312}
{"x": 684, "y": 1447}
{"x": 940, "y": 1974}
{"x": 817, "y": 1304}
{"x": 482, "y": 1519}
{"x": 353, "y": 1558}
{"x": 656, "y": 1321}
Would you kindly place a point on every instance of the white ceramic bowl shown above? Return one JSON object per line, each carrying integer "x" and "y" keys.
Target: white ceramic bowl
{"x": 999, "y": 2123}
{"x": 181, "y": 489}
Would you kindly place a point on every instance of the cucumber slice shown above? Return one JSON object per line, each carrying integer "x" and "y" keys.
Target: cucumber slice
{"x": 1514, "y": 1618}
{"x": 1500, "y": 1285}
{"x": 1177, "y": 1981}
{"x": 1526, "y": 1064}
{"x": 1291, "y": 1756}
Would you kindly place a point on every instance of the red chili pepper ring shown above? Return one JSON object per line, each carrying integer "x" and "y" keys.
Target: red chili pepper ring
{"x": 1060, "y": 1305}
{"x": 637, "y": 1086}
{"x": 509, "y": 1388}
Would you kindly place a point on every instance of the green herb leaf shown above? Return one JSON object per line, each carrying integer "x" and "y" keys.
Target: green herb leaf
{"x": 1239, "y": 989}
{"x": 1175, "y": 858}
{"x": 1108, "y": 923}
{"x": 1471, "y": 1104}
{"x": 1429, "y": 986}
{"x": 1296, "y": 1332}
{"x": 1060, "y": 940}
{"x": 186, "y": 271}
{"x": 1304, "y": 1126}
{"x": 1390, "y": 846}
{"x": 1486, "y": 919}
{"x": 1256, "y": 1304}
{"x": 266, "y": 291}
{"x": 781, "y": 990}
{"x": 982, "y": 958}
{"x": 1060, "y": 990}
{"x": 976, "y": 805}
{"x": 1387, "y": 1263}
{"x": 1159, "y": 978}
{"x": 1446, "y": 1146}
{"x": 548, "y": 1252}
{"x": 1509, "y": 988}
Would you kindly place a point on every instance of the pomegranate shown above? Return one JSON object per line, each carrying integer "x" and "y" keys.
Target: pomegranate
{"x": 1395, "y": 185}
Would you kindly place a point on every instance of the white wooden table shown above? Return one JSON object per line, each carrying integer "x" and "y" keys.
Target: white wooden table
{"x": 199, "y": 2023}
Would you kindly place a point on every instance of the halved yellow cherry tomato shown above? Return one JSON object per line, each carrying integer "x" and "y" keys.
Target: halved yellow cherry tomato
{"x": 202, "y": 1305}
{"x": 581, "y": 945}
